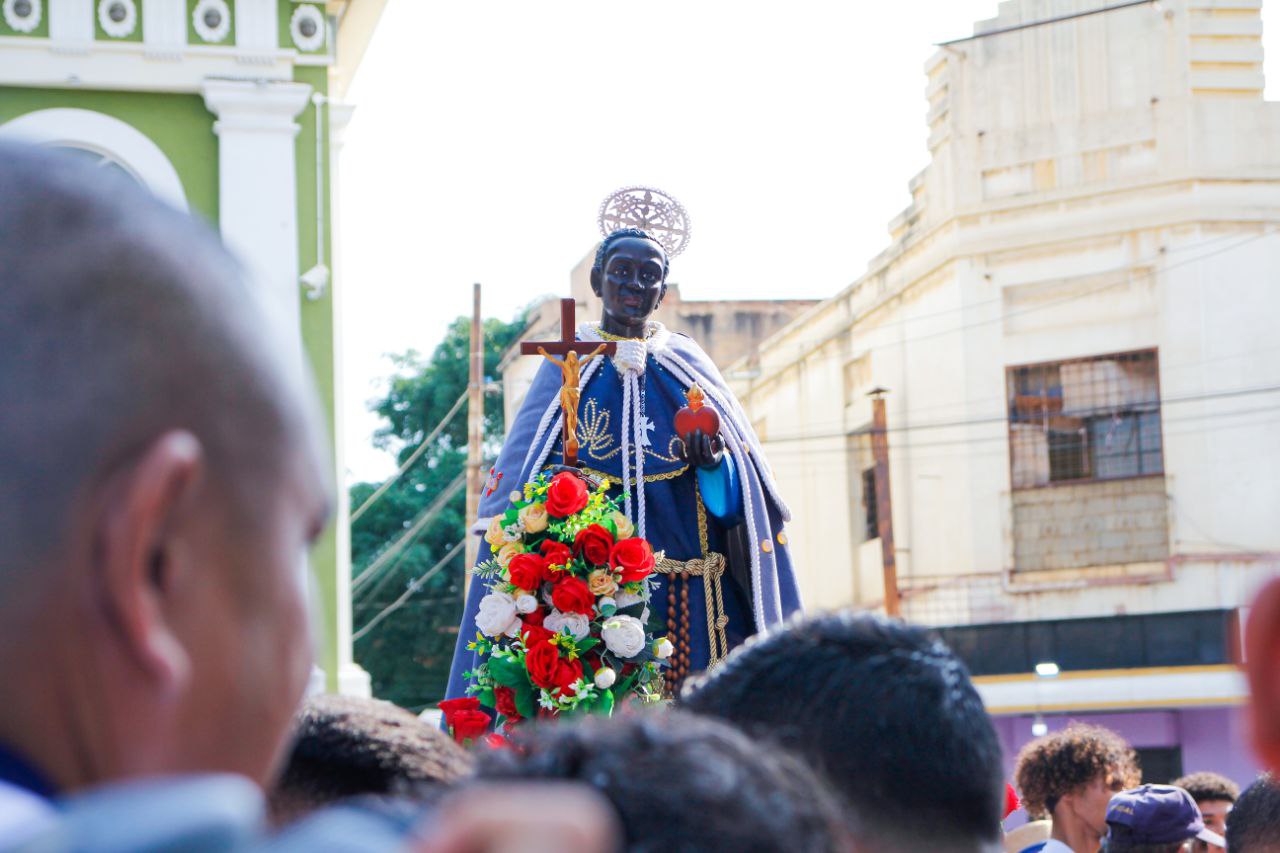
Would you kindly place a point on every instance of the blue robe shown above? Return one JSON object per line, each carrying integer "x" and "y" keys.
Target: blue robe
{"x": 741, "y": 490}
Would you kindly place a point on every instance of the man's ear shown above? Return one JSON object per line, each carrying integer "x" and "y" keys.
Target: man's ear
{"x": 596, "y": 281}
{"x": 1262, "y": 662}
{"x": 136, "y": 553}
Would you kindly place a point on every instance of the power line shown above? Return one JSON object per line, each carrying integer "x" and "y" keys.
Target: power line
{"x": 408, "y": 463}
{"x": 413, "y": 587}
{"x": 430, "y": 512}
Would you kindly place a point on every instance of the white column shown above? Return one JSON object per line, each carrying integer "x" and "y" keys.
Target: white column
{"x": 71, "y": 24}
{"x": 164, "y": 27}
{"x": 258, "y": 188}
{"x": 352, "y": 679}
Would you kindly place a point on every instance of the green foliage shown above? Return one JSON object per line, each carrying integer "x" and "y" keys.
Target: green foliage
{"x": 408, "y": 653}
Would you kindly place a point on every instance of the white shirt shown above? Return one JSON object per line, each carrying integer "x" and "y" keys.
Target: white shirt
{"x": 23, "y": 815}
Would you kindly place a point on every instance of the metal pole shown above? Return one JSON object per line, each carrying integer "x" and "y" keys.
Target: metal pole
{"x": 475, "y": 434}
{"x": 884, "y": 502}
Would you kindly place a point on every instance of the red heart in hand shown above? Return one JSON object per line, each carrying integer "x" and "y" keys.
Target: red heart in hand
{"x": 687, "y": 420}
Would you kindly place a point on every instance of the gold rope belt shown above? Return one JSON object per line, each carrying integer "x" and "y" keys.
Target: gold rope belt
{"x": 711, "y": 569}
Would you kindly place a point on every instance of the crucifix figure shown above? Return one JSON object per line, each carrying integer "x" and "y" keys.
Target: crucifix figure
{"x": 570, "y": 367}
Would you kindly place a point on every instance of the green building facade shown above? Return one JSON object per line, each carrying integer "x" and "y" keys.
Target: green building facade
{"x": 231, "y": 110}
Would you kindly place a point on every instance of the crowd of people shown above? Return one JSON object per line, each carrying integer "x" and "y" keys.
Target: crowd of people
{"x": 161, "y": 479}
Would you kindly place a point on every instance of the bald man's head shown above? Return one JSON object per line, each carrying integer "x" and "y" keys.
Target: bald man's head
{"x": 160, "y": 467}
{"x": 120, "y": 320}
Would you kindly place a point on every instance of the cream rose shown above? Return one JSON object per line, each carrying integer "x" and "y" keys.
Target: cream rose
{"x": 506, "y": 552}
{"x": 605, "y": 677}
{"x": 623, "y": 635}
{"x": 497, "y": 615}
{"x": 495, "y": 535}
{"x": 601, "y": 583}
{"x": 534, "y": 517}
{"x": 577, "y": 624}
{"x": 624, "y": 526}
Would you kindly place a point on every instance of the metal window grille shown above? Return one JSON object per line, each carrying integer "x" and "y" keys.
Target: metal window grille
{"x": 870, "y": 513}
{"x": 1084, "y": 419}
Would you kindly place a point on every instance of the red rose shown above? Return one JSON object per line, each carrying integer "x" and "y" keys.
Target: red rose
{"x": 505, "y": 700}
{"x": 567, "y": 673}
{"x": 571, "y": 595}
{"x": 566, "y": 495}
{"x": 557, "y": 553}
{"x": 469, "y": 725}
{"x": 593, "y": 544}
{"x": 535, "y": 618}
{"x": 496, "y": 741}
{"x": 462, "y": 703}
{"x": 535, "y": 635}
{"x": 527, "y": 571}
{"x": 633, "y": 558}
{"x": 541, "y": 662}
{"x": 464, "y": 718}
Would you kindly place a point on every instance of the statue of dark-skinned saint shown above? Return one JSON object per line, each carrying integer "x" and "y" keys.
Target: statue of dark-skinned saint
{"x": 693, "y": 482}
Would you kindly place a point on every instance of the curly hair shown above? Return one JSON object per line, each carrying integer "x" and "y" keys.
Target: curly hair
{"x": 1206, "y": 786}
{"x": 1050, "y": 767}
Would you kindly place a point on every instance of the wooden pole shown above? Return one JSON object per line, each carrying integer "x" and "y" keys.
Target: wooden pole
{"x": 475, "y": 435}
{"x": 884, "y": 501}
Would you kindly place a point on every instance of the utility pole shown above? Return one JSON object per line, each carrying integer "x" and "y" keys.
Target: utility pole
{"x": 884, "y": 502}
{"x": 475, "y": 436}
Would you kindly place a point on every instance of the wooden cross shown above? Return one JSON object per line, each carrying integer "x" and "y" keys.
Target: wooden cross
{"x": 569, "y": 348}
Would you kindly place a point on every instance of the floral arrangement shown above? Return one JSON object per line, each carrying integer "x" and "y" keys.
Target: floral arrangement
{"x": 563, "y": 629}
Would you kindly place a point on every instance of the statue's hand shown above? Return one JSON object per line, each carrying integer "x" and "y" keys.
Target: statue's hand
{"x": 702, "y": 450}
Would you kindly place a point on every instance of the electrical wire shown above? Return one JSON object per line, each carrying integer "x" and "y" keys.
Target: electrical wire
{"x": 413, "y": 457}
{"x": 412, "y": 588}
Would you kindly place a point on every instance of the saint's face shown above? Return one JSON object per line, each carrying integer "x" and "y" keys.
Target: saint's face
{"x": 632, "y": 285}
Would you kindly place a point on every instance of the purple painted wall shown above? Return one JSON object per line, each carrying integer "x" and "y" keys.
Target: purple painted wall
{"x": 1211, "y": 739}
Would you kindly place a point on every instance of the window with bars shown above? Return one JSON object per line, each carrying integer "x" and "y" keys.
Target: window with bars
{"x": 1085, "y": 419}
{"x": 870, "y": 515}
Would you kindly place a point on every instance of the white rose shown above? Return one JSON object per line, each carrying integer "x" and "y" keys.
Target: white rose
{"x": 605, "y": 677}
{"x": 526, "y": 604}
{"x": 663, "y": 649}
{"x": 497, "y": 615}
{"x": 623, "y": 635}
{"x": 626, "y": 599}
{"x": 576, "y": 624}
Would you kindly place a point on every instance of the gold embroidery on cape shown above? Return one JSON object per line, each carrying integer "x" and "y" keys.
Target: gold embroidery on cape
{"x": 597, "y": 441}
{"x": 648, "y": 478}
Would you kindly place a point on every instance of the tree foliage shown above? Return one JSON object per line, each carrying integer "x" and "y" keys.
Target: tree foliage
{"x": 408, "y": 653}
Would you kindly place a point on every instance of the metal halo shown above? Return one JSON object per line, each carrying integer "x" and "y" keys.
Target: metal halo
{"x": 652, "y": 211}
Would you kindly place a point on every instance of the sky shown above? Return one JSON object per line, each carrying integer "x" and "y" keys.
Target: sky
{"x": 486, "y": 135}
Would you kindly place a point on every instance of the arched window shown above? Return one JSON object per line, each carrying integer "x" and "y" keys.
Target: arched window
{"x": 104, "y": 140}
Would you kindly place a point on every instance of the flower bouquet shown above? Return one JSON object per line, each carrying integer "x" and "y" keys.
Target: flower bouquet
{"x": 564, "y": 627}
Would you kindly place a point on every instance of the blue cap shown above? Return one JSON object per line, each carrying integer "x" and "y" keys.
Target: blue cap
{"x": 1157, "y": 814}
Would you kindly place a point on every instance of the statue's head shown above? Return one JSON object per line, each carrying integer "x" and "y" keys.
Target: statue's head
{"x": 630, "y": 275}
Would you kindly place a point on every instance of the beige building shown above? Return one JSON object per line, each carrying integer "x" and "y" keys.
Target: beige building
{"x": 727, "y": 330}
{"x": 1076, "y": 323}
{"x": 1075, "y": 320}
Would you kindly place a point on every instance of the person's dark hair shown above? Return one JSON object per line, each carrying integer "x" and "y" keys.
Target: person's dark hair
{"x": 1055, "y": 765}
{"x": 1254, "y": 823}
{"x": 1206, "y": 786}
{"x": 680, "y": 783}
{"x": 347, "y": 746}
{"x": 885, "y": 711}
{"x": 602, "y": 252}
